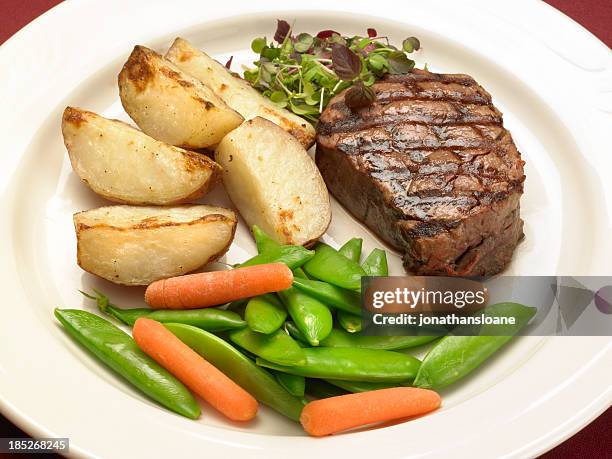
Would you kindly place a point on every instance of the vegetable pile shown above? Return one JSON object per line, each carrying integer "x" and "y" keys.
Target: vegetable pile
{"x": 287, "y": 339}
{"x": 302, "y": 72}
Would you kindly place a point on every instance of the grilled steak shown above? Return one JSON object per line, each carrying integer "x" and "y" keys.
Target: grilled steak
{"x": 430, "y": 168}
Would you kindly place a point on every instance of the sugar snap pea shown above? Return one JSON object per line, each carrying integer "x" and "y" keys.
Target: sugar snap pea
{"x": 350, "y": 322}
{"x": 265, "y": 314}
{"x": 242, "y": 370}
{"x": 319, "y": 388}
{"x": 211, "y": 319}
{"x": 127, "y": 316}
{"x": 336, "y": 297}
{"x": 458, "y": 355}
{"x": 299, "y": 272}
{"x": 277, "y": 347}
{"x": 263, "y": 240}
{"x": 360, "y": 386}
{"x": 341, "y": 338}
{"x": 311, "y": 316}
{"x": 376, "y": 263}
{"x": 237, "y": 306}
{"x": 352, "y": 249}
{"x": 371, "y": 365}
{"x": 295, "y": 385}
{"x": 270, "y": 250}
{"x": 293, "y": 256}
{"x": 295, "y": 332}
{"x": 330, "y": 266}
{"x": 118, "y": 350}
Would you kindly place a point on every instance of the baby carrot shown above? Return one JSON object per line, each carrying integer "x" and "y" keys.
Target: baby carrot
{"x": 335, "y": 414}
{"x": 192, "y": 370}
{"x": 213, "y": 288}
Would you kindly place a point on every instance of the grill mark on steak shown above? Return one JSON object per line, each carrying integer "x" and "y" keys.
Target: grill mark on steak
{"x": 430, "y": 168}
{"x": 425, "y": 107}
{"x": 423, "y": 75}
{"x": 400, "y": 137}
{"x": 429, "y": 114}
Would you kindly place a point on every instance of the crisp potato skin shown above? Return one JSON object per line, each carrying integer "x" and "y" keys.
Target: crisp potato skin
{"x": 274, "y": 183}
{"x": 125, "y": 165}
{"x": 236, "y": 92}
{"x": 138, "y": 245}
{"x": 170, "y": 105}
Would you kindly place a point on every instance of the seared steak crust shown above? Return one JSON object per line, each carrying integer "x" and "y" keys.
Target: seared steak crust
{"x": 430, "y": 168}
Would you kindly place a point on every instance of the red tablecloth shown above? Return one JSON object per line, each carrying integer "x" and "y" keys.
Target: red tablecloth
{"x": 594, "y": 441}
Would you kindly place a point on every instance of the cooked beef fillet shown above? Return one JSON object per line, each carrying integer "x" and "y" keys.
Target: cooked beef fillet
{"x": 430, "y": 168}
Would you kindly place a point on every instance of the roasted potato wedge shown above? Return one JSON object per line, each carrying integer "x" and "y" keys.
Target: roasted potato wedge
{"x": 236, "y": 92}
{"x": 273, "y": 182}
{"x": 138, "y": 245}
{"x": 124, "y": 165}
{"x": 170, "y": 105}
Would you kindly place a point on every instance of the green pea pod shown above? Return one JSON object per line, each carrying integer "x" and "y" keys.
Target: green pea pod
{"x": 376, "y": 263}
{"x": 265, "y": 314}
{"x": 312, "y": 317}
{"x": 456, "y": 356}
{"x": 237, "y": 306}
{"x": 293, "y": 256}
{"x": 277, "y": 347}
{"x": 295, "y": 385}
{"x": 263, "y": 240}
{"x": 330, "y": 266}
{"x": 295, "y": 332}
{"x": 350, "y": 322}
{"x": 360, "y": 386}
{"x": 352, "y": 249}
{"x": 371, "y": 365}
{"x": 318, "y": 388}
{"x": 340, "y": 338}
{"x": 127, "y": 316}
{"x": 117, "y": 349}
{"x": 299, "y": 272}
{"x": 239, "y": 368}
{"x": 336, "y": 297}
{"x": 211, "y": 319}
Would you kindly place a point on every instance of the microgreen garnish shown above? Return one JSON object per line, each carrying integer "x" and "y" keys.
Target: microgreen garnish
{"x": 345, "y": 62}
{"x": 282, "y": 30}
{"x": 323, "y": 34}
{"x": 399, "y": 63}
{"x": 303, "y": 72}
{"x": 411, "y": 44}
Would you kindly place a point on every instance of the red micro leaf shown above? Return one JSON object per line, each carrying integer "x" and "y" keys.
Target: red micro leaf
{"x": 228, "y": 64}
{"x": 282, "y": 29}
{"x": 372, "y": 33}
{"x": 345, "y": 62}
{"x": 323, "y": 34}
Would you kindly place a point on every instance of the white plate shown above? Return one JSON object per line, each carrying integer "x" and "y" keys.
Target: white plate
{"x": 552, "y": 80}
